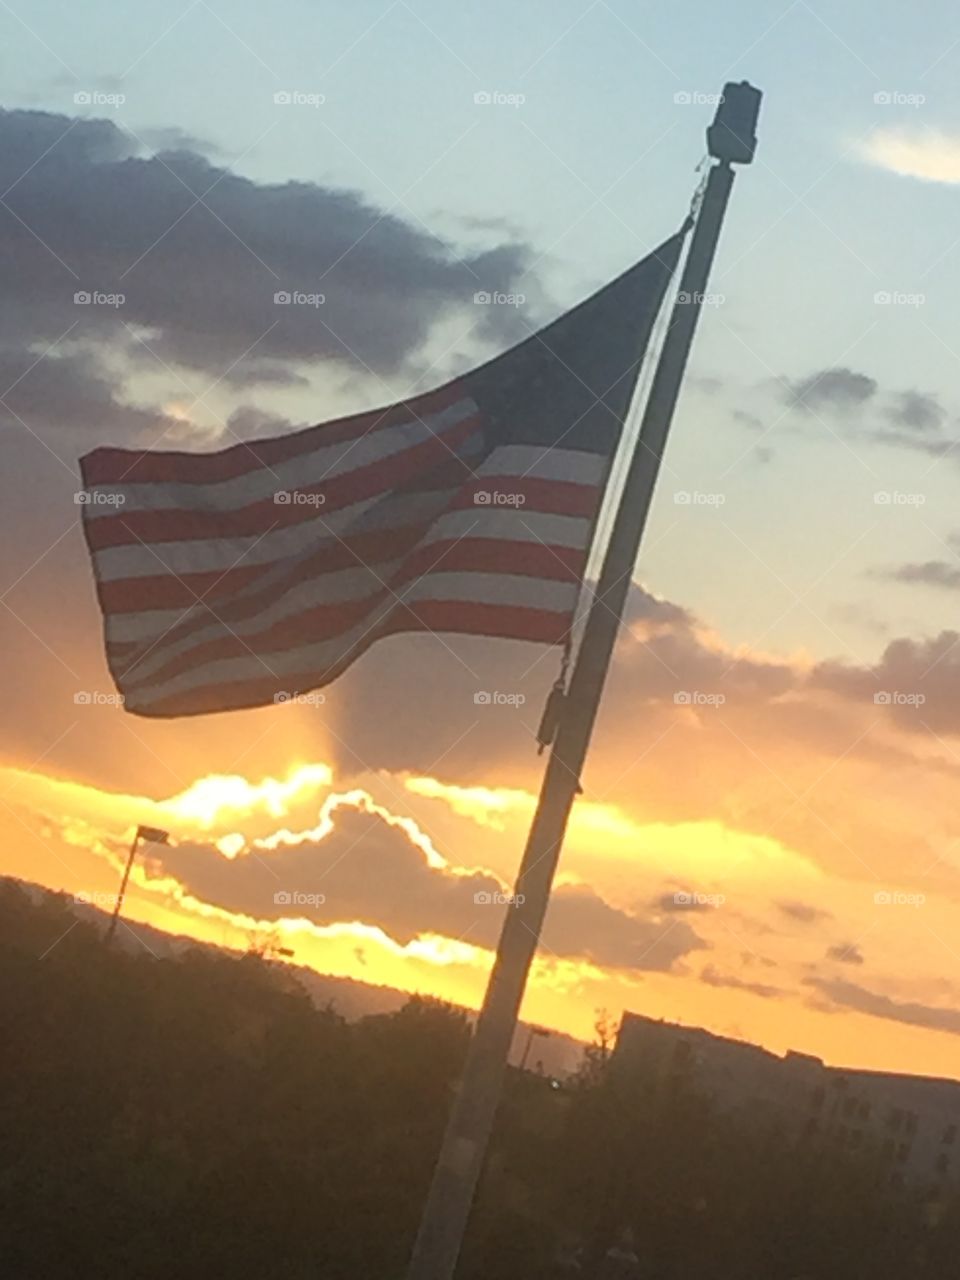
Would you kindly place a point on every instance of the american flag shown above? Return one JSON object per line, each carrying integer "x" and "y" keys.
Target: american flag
{"x": 259, "y": 572}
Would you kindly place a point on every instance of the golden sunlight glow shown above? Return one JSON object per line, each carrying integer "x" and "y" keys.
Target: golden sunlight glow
{"x": 205, "y": 801}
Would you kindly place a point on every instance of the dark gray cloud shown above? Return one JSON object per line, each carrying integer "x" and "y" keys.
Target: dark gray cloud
{"x": 916, "y": 683}
{"x": 848, "y": 995}
{"x": 198, "y": 253}
{"x": 713, "y": 978}
{"x": 367, "y": 870}
{"x": 930, "y": 573}
{"x": 845, "y": 953}
{"x": 839, "y": 388}
{"x": 917, "y": 410}
{"x": 802, "y": 912}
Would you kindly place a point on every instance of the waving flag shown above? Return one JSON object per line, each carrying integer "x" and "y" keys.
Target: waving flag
{"x": 237, "y": 578}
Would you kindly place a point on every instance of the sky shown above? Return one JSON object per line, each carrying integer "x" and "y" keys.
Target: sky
{"x": 767, "y": 843}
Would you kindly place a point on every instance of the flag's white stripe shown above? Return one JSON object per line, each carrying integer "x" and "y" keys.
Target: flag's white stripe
{"x": 340, "y": 587}
{"x": 337, "y": 586}
{"x": 219, "y": 555}
{"x": 473, "y": 588}
{"x": 325, "y": 463}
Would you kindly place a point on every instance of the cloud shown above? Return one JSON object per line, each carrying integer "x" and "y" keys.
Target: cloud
{"x": 831, "y": 388}
{"x": 198, "y": 252}
{"x": 713, "y": 978}
{"x": 802, "y": 912}
{"x": 848, "y": 995}
{"x": 917, "y": 410}
{"x": 930, "y": 573}
{"x": 916, "y": 682}
{"x": 932, "y": 155}
{"x": 846, "y": 953}
{"x": 361, "y": 864}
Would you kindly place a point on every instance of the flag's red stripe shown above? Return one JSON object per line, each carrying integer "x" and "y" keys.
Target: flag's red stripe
{"x": 167, "y": 591}
{"x": 117, "y": 466}
{"x": 325, "y": 622}
{"x": 387, "y": 474}
{"x": 507, "y": 622}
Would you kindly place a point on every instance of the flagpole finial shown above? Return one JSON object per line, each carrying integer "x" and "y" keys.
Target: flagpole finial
{"x": 732, "y": 138}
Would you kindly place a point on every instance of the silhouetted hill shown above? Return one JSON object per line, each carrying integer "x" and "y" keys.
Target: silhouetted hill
{"x": 558, "y": 1055}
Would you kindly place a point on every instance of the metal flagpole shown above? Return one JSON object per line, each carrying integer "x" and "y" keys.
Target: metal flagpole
{"x": 730, "y": 140}
{"x": 112, "y": 927}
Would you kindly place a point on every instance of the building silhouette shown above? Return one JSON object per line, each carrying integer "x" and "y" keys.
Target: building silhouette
{"x": 907, "y": 1125}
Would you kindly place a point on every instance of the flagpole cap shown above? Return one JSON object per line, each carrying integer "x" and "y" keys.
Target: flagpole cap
{"x": 732, "y": 137}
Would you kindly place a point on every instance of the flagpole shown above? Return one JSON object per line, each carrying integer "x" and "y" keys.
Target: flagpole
{"x": 112, "y": 927}
{"x": 444, "y": 1221}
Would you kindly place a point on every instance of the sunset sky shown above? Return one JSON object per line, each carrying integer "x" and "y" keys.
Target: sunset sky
{"x": 768, "y": 843}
